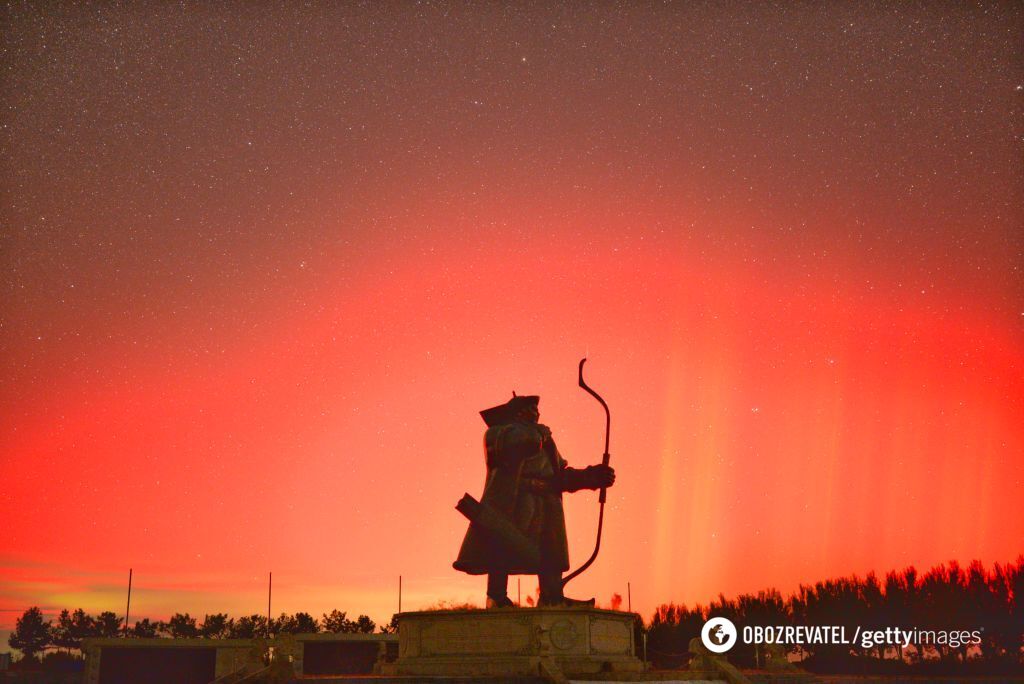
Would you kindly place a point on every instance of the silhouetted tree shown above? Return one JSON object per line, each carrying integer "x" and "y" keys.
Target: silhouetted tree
{"x": 942, "y": 596}
{"x": 60, "y": 633}
{"x": 285, "y": 624}
{"x": 985, "y": 604}
{"x": 83, "y": 625}
{"x": 1002, "y": 640}
{"x": 144, "y": 629}
{"x": 830, "y": 602}
{"x": 215, "y": 626}
{"x": 669, "y": 634}
{"x": 300, "y": 623}
{"x": 306, "y": 624}
{"x": 364, "y": 625}
{"x": 181, "y": 626}
{"x": 334, "y": 622}
{"x": 895, "y": 609}
{"x": 108, "y": 624}
{"x": 337, "y": 622}
{"x": 31, "y": 633}
{"x": 1015, "y": 580}
{"x": 249, "y": 627}
{"x": 871, "y": 613}
{"x": 391, "y": 627}
{"x": 764, "y": 609}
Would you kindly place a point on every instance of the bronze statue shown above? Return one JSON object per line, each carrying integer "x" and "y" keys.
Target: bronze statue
{"x": 518, "y": 526}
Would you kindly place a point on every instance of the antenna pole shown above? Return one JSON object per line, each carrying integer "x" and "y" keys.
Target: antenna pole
{"x": 127, "y": 608}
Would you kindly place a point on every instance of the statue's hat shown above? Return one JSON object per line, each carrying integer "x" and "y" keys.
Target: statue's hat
{"x": 505, "y": 413}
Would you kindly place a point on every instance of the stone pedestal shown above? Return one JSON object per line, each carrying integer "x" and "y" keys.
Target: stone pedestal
{"x": 507, "y": 642}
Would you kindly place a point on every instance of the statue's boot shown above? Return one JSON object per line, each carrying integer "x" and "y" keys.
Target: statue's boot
{"x": 499, "y": 602}
{"x": 567, "y": 602}
{"x": 587, "y": 603}
{"x": 551, "y": 592}
{"x": 497, "y": 590}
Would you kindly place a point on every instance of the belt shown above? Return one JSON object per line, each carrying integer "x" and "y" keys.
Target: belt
{"x": 538, "y": 486}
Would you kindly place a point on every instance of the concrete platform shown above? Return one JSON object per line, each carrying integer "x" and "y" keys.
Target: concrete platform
{"x": 661, "y": 678}
{"x": 553, "y": 643}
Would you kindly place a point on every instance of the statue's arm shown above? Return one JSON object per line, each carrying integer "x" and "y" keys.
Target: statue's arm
{"x": 566, "y": 478}
{"x": 592, "y": 477}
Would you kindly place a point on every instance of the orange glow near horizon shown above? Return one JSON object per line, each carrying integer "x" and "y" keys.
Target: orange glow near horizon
{"x": 763, "y": 437}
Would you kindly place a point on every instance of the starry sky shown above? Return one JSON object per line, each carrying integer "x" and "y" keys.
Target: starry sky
{"x": 262, "y": 263}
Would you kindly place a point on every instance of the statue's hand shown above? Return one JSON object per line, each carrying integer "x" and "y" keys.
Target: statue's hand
{"x": 600, "y": 476}
{"x": 607, "y": 474}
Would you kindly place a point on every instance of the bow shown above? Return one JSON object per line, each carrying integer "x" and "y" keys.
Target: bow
{"x": 604, "y": 460}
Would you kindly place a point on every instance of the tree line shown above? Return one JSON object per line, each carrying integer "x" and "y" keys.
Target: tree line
{"x": 947, "y": 597}
{"x": 33, "y": 634}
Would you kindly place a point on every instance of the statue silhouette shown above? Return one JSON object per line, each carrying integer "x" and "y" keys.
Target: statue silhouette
{"x": 518, "y": 526}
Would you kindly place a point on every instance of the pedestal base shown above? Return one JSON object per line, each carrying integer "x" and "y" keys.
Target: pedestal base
{"x": 508, "y": 642}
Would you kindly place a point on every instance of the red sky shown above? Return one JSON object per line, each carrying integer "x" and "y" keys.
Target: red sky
{"x": 263, "y": 267}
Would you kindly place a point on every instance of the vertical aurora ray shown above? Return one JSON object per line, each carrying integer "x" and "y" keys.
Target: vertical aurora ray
{"x": 667, "y": 542}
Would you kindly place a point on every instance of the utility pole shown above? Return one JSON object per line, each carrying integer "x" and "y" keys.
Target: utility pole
{"x": 127, "y": 608}
{"x": 270, "y": 588}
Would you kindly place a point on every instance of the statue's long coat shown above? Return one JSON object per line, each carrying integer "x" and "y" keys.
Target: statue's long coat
{"x": 516, "y": 452}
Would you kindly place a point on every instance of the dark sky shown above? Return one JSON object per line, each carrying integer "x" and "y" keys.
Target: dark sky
{"x": 245, "y": 239}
